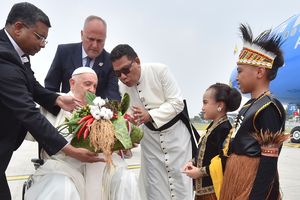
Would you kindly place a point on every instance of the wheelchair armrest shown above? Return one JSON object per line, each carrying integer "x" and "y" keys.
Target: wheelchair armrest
{"x": 37, "y": 162}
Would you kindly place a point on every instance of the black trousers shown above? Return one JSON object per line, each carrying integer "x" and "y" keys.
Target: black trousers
{"x": 4, "y": 189}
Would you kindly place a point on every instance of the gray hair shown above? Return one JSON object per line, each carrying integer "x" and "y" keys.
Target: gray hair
{"x": 93, "y": 17}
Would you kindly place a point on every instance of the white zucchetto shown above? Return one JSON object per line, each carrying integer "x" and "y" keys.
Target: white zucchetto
{"x": 81, "y": 70}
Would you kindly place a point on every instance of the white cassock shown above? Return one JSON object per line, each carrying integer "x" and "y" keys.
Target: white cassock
{"x": 162, "y": 153}
{"x": 65, "y": 178}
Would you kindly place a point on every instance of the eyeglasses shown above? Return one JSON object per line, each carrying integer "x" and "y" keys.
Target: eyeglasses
{"x": 41, "y": 38}
{"x": 125, "y": 70}
{"x": 38, "y": 36}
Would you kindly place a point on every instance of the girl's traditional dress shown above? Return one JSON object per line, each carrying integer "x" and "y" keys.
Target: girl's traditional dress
{"x": 211, "y": 144}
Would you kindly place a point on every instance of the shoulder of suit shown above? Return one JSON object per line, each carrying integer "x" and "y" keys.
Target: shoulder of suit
{"x": 70, "y": 45}
{"x": 104, "y": 55}
{"x": 8, "y": 54}
{"x": 105, "y": 52}
{"x": 69, "y": 49}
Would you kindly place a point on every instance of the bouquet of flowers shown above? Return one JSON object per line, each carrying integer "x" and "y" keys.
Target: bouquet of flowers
{"x": 102, "y": 126}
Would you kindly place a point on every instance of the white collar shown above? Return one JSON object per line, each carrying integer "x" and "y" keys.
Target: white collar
{"x": 84, "y": 55}
{"x": 142, "y": 74}
{"x": 15, "y": 45}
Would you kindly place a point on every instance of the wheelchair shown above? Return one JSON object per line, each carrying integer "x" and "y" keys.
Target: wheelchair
{"x": 37, "y": 162}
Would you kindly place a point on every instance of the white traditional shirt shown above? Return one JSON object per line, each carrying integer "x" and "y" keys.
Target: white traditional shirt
{"x": 162, "y": 153}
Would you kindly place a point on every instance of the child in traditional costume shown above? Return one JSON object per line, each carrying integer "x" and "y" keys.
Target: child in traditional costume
{"x": 217, "y": 101}
{"x": 251, "y": 169}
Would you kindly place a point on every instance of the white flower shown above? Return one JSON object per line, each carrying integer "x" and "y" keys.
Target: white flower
{"x": 93, "y": 108}
{"x": 98, "y": 101}
{"x": 95, "y": 111}
{"x": 101, "y": 113}
{"x": 106, "y": 113}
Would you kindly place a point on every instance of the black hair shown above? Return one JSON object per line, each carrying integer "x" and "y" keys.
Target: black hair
{"x": 122, "y": 50}
{"x": 267, "y": 41}
{"x": 230, "y": 96}
{"x": 28, "y": 14}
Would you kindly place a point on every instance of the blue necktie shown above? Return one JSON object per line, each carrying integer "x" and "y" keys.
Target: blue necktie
{"x": 88, "y": 61}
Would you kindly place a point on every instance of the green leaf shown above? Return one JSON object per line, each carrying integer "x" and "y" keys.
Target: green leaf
{"x": 89, "y": 97}
{"x": 81, "y": 143}
{"x": 125, "y": 103}
{"x": 121, "y": 131}
{"x": 136, "y": 134}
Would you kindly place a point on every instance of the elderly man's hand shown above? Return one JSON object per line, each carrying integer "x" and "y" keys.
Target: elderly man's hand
{"x": 82, "y": 154}
{"x": 68, "y": 103}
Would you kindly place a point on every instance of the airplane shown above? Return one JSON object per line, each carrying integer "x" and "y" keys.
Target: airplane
{"x": 286, "y": 86}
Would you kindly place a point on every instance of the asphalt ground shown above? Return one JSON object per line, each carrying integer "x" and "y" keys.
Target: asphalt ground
{"x": 21, "y": 167}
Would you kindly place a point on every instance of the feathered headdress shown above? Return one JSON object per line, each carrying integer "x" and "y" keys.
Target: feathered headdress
{"x": 260, "y": 51}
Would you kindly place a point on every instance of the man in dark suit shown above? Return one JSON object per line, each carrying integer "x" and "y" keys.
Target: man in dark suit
{"x": 25, "y": 33}
{"x": 91, "y": 53}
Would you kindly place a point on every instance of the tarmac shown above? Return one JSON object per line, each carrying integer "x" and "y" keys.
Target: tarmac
{"x": 20, "y": 168}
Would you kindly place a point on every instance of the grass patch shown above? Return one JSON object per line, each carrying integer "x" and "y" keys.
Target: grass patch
{"x": 200, "y": 126}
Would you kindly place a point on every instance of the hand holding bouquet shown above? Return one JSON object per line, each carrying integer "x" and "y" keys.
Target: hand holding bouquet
{"x": 102, "y": 126}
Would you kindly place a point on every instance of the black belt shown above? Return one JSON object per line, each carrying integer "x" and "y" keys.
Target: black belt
{"x": 165, "y": 126}
{"x": 184, "y": 117}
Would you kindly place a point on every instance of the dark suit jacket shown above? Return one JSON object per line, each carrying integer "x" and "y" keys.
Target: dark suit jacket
{"x": 19, "y": 91}
{"x": 68, "y": 57}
